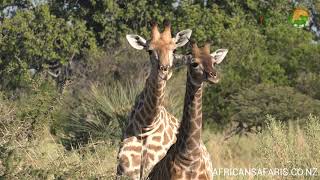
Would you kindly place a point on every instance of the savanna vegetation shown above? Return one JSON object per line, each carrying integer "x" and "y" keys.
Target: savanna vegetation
{"x": 68, "y": 80}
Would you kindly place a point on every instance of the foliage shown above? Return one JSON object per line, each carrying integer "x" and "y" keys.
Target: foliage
{"x": 278, "y": 55}
{"x": 284, "y": 103}
{"x": 110, "y": 20}
{"x": 7, "y": 117}
{"x": 7, "y": 6}
{"x": 21, "y": 118}
{"x": 293, "y": 50}
{"x": 36, "y": 38}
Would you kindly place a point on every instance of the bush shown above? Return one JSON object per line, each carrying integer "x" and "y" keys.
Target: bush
{"x": 23, "y": 119}
{"x": 101, "y": 112}
{"x": 284, "y": 103}
{"x": 309, "y": 83}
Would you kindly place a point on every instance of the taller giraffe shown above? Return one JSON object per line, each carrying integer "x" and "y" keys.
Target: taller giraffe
{"x": 151, "y": 129}
{"x": 188, "y": 158}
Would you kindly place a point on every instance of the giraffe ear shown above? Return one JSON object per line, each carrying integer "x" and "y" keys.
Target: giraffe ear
{"x": 136, "y": 41}
{"x": 219, "y": 55}
{"x": 182, "y": 37}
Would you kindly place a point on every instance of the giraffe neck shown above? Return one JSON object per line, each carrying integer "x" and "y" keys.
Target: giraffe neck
{"x": 189, "y": 137}
{"x": 152, "y": 100}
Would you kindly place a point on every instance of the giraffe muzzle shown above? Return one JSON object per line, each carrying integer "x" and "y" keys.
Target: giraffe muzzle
{"x": 164, "y": 68}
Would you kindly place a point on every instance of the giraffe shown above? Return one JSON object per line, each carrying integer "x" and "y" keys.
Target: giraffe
{"x": 188, "y": 157}
{"x": 151, "y": 129}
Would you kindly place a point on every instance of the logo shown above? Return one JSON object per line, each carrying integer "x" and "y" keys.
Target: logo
{"x": 299, "y": 18}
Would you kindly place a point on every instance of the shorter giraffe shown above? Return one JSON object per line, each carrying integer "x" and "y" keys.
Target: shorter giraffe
{"x": 188, "y": 157}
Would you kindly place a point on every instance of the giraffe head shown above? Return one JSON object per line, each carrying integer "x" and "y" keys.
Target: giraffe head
{"x": 203, "y": 64}
{"x": 161, "y": 47}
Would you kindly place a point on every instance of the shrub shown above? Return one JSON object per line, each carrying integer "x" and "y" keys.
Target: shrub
{"x": 309, "y": 83}
{"x": 101, "y": 112}
{"x": 22, "y": 119}
{"x": 284, "y": 103}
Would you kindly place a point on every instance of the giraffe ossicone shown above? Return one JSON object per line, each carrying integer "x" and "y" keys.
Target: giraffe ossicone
{"x": 151, "y": 129}
{"x": 188, "y": 157}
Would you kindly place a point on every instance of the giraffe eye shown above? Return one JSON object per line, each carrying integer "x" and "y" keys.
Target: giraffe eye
{"x": 194, "y": 64}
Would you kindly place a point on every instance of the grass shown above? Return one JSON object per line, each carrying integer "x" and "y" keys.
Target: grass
{"x": 102, "y": 110}
{"x": 279, "y": 146}
{"x": 45, "y": 158}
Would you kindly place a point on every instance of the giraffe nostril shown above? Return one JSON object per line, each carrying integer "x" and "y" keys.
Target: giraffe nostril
{"x": 213, "y": 74}
{"x": 164, "y": 67}
{"x": 161, "y": 67}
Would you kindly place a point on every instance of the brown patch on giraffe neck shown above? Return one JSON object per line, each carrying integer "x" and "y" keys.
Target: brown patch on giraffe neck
{"x": 156, "y": 138}
{"x": 154, "y": 148}
{"x": 136, "y": 159}
{"x": 133, "y": 148}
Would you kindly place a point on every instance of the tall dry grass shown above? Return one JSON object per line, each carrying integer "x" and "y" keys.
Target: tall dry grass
{"x": 279, "y": 146}
{"x": 287, "y": 147}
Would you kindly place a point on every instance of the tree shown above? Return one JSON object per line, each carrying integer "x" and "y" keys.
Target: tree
{"x": 36, "y": 38}
{"x": 110, "y": 20}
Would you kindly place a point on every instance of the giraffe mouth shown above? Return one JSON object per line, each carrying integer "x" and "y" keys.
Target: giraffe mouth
{"x": 213, "y": 80}
{"x": 210, "y": 79}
